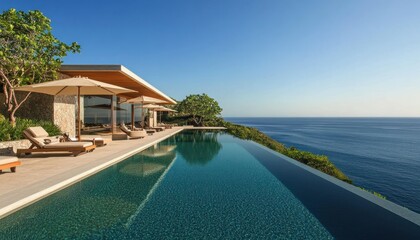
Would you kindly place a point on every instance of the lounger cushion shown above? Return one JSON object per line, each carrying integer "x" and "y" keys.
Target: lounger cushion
{"x": 125, "y": 129}
{"x": 7, "y": 159}
{"x": 138, "y": 134}
{"x": 68, "y": 145}
{"x": 39, "y": 142}
{"x": 42, "y": 140}
{"x": 38, "y": 132}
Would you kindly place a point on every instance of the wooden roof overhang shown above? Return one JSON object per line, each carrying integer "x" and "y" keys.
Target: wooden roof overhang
{"x": 117, "y": 75}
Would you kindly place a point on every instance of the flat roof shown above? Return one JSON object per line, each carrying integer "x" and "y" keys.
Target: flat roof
{"x": 117, "y": 75}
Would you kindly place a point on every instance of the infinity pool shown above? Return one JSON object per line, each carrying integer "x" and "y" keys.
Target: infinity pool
{"x": 205, "y": 185}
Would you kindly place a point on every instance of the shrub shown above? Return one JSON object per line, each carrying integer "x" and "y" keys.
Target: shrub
{"x": 373, "y": 192}
{"x": 9, "y": 133}
{"x": 320, "y": 162}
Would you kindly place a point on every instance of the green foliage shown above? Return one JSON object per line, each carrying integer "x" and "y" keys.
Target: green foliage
{"x": 29, "y": 53}
{"x": 374, "y": 193}
{"x": 9, "y": 133}
{"x": 319, "y": 162}
{"x": 200, "y": 108}
{"x": 178, "y": 120}
{"x": 191, "y": 107}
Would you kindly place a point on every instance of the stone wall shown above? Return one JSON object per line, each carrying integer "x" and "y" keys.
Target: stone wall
{"x": 6, "y": 147}
{"x": 57, "y": 109}
{"x": 65, "y": 113}
{"x": 38, "y": 106}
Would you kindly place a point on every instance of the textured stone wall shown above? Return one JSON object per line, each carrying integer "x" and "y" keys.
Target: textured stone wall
{"x": 6, "y": 147}
{"x": 38, "y": 106}
{"x": 65, "y": 113}
{"x": 57, "y": 109}
{"x": 60, "y": 110}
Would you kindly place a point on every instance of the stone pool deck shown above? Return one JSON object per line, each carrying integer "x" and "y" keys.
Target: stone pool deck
{"x": 43, "y": 174}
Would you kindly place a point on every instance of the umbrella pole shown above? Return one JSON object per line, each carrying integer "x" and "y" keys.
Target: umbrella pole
{"x": 79, "y": 123}
{"x": 142, "y": 115}
{"x": 132, "y": 116}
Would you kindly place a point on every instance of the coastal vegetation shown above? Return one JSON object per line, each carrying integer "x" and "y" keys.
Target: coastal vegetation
{"x": 29, "y": 53}
{"x": 320, "y": 162}
{"x": 188, "y": 115}
{"x": 9, "y": 132}
{"x": 374, "y": 193}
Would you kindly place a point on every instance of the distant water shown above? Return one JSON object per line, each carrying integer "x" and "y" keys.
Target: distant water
{"x": 380, "y": 154}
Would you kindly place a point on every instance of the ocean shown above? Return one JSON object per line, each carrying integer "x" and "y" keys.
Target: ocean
{"x": 379, "y": 154}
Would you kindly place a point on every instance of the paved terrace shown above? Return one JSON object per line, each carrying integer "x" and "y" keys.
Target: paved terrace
{"x": 43, "y": 174}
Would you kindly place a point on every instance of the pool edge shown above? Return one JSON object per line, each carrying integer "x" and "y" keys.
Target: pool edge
{"x": 383, "y": 203}
{"x": 11, "y": 208}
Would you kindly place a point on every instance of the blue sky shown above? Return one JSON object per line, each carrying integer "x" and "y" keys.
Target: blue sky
{"x": 256, "y": 58}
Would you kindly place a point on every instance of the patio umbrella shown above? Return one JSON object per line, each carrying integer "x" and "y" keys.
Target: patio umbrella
{"x": 141, "y": 100}
{"x": 164, "y": 109}
{"x": 152, "y": 106}
{"x": 75, "y": 86}
{"x": 145, "y": 100}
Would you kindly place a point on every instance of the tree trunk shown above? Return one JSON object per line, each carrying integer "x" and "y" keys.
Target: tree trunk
{"x": 12, "y": 118}
{"x": 11, "y": 102}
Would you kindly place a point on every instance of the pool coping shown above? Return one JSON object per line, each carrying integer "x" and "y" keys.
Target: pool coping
{"x": 386, "y": 204}
{"x": 19, "y": 204}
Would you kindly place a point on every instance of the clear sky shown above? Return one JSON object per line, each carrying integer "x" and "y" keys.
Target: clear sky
{"x": 259, "y": 57}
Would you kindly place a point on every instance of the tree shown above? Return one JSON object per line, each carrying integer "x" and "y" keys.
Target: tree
{"x": 29, "y": 54}
{"x": 200, "y": 107}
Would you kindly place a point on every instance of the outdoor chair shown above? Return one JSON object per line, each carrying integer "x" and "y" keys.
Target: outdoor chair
{"x": 133, "y": 133}
{"x": 98, "y": 141}
{"x": 166, "y": 126}
{"x": 40, "y": 142}
{"x": 157, "y": 129}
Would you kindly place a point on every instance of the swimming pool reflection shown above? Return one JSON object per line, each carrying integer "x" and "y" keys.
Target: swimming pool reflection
{"x": 205, "y": 146}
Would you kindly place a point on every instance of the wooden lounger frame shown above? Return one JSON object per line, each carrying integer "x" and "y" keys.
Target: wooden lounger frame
{"x": 11, "y": 165}
{"x": 35, "y": 147}
{"x": 74, "y": 150}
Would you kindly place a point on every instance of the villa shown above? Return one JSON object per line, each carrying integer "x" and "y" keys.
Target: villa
{"x": 96, "y": 110}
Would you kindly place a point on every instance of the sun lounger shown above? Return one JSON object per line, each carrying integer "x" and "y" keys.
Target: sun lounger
{"x": 157, "y": 129}
{"x": 98, "y": 141}
{"x": 133, "y": 134}
{"x": 42, "y": 143}
{"x": 148, "y": 131}
{"x": 166, "y": 126}
{"x": 9, "y": 162}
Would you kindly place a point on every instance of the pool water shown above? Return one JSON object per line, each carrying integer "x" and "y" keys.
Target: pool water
{"x": 195, "y": 184}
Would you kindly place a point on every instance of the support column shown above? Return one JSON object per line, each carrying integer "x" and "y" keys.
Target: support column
{"x": 132, "y": 116}
{"x": 113, "y": 115}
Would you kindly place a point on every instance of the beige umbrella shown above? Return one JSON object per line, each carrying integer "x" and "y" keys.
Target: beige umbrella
{"x": 149, "y": 106}
{"x": 164, "y": 109}
{"x": 141, "y": 100}
{"x": 152, "y": 106}
{"x": 145, "y": 100}
{"x": 75, "y": 86}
